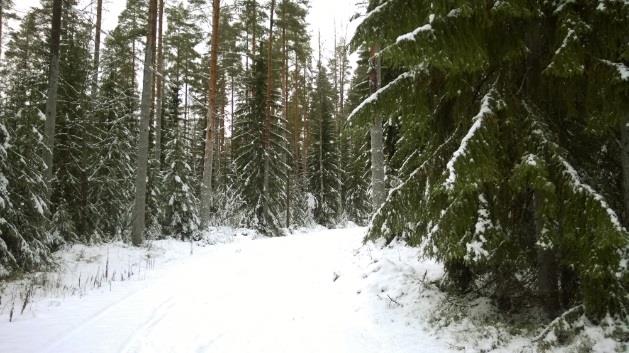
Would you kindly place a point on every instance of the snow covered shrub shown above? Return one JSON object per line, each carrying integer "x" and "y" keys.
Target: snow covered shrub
{"x": 503, "y": 108}
{"x": 228, "y": 208}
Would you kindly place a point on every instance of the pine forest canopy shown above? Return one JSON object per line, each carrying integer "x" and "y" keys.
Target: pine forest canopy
{"x": 493, "y": 134}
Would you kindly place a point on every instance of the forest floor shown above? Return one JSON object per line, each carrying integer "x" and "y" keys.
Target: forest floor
{"x": 316, "y": 290}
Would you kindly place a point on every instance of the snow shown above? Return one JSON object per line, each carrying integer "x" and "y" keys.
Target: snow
{"x": 623, "y": 70}
{"x": 375, "y": 96}
{"x": 485, "y": 110}
{"x": 315, "y": 291}
{"x": 475, "y": 248}
{"x": 580, "y": 186}
{"x": 410, "y": 37}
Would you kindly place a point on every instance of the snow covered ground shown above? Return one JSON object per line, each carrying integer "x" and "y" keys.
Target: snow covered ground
{"x": 314, "y": 291}
{"x": 304, "y": 293}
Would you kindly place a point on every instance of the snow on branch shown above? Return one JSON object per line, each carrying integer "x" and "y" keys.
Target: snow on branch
{"x": 375, "y": 96}
{"x": 578, "y": 186}
{"x": 623, "y": 71}
{"x": 364, "y": 18}
{"x": 410, "y": 37}
{"x": 398, "y": 189}
{"x": 478, "y": 120}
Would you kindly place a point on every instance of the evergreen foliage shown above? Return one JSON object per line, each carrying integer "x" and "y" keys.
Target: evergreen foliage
{"x": 180, "y": 206}
{"x": 323, "y": 154}
{"x": 497, "y": 103}
{"x": 251, "y": 157}
{"x": 26, "y": 237}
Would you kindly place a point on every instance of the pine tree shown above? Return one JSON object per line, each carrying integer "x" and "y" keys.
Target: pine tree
{"x": 212, "y": 111}
{"x": 53, "y": 84}
{"x": 494, "y": 123}
{"x": 139, "y": 213}
{"x": 294, "y": 45}
{"x": 132, "y": 22}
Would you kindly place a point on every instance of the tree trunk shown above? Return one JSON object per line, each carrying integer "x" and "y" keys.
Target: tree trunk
{"x": 253, "y": 28}
{"x": 547, "y": 267}
{"x": 208, "y": 161}
{"x": 53, "y": 84}
{"x": 1, "y": 24}
{"x": 266, "y": 134}
{"x": 85, "y": 151}
{"x": 220, "y": 140}
{"x": 139, "y": 211}
{"x": 99, "y": 19}
{"x": 306, "y": 148}
{"x": 377, "y": 152}
{"x": 624, "y": 158}
{"x": 285, "y": 112}
{"x": 160, "y": 85}
{"x": 341, "y": 115}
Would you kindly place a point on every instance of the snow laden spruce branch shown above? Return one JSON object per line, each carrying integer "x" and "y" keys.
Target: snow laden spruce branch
{"x": 488, "y": 105}
{"x": 401, "y": 191}
{"x": 385, "y": 91}
{"x": 577, "y": 185}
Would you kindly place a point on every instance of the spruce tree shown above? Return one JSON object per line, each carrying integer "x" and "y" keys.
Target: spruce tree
{"x": 495, "y": 122}
{"x": 251, "y": 156}
{"x": 323, "y": 154}
{"x": 179, "y": 204}
{"x": 25, "y": 234}
{"x": 112, "y": 166}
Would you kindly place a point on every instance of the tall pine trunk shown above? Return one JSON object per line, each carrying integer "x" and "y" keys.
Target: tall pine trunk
{"x": 208, "y": 161}
{"x": 85, "y": 151}
{"x": 139, "y": 211}
{"x": 160, "y": 85}
{"x": 53, "y": 84}
{"x": 377, "y": 140}
{"x": 1, "y": 24}
{"x": 624, "y": 158}
{"x": 289, "y": 171}
{"x": 266, "y": 133}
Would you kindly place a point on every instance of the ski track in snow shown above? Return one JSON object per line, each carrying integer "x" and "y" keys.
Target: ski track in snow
{"x": 268, "y": 295}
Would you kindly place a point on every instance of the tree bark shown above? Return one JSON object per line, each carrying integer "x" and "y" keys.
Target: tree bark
{"x": 99, "y": 19}
{"x": 53, "y": 84}
{"x": 624, "y": 158}
{"x": 160, "y": 85}
{"x": 85, "y": 152}
{"x": 139, "y": 211}
{"x": 547, "y": 267}
{"x": 208, "y": 161}
{"x": 377, "y": 140}
{"x": 253, "y": 28}
{"x": 266, "y": 134}
{"x": 285, "y": 112}
{"x": 1, "y": 24}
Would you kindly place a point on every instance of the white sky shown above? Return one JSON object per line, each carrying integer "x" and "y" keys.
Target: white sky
{"x": 324, "y": 14}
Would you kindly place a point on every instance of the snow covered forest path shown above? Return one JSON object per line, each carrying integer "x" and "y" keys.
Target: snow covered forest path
{"x": 295, "y": 294}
